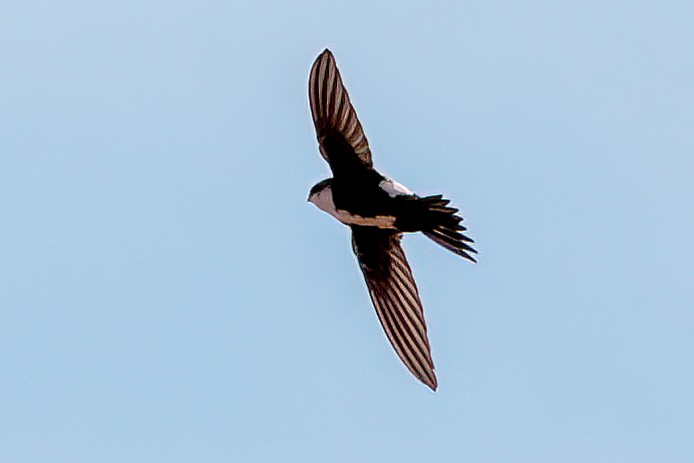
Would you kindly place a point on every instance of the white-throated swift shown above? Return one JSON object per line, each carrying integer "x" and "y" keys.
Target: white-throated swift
{"x": 378, "y": 210}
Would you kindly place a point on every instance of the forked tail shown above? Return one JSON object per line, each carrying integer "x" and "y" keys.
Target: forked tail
{"x": 446, "y": 229}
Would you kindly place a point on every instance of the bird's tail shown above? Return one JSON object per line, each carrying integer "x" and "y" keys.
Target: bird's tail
{"x": 445, "y": 228}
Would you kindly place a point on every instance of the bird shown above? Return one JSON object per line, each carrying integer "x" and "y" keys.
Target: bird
{"x": 379, "y": 211}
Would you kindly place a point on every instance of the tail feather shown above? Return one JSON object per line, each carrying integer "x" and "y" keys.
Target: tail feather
{"x": 446, "y": 229}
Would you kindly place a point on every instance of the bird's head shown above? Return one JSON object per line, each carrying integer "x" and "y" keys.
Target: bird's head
{"x": 318, "y": 188}
{"x": 321, "y": 195}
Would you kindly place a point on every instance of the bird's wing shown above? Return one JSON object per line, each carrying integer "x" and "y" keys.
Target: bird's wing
{"x": 340, "y": 135}
{"x": 395, "y": 298}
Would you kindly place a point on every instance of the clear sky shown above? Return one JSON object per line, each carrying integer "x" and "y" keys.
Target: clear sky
{"x": 167, "y": 294}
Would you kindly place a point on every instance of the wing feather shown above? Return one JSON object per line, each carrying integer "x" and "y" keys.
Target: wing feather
{"x": 333, "y": 114}
{"x": 395, "y": 297}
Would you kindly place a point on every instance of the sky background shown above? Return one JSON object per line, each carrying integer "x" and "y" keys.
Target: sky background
{"x": 167, "y": 293}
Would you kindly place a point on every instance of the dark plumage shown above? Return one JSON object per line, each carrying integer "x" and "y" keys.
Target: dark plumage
{"x": 378, "y": 210}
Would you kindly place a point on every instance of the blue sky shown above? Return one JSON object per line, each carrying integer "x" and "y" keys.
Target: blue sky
{"x": 167, "y": 293}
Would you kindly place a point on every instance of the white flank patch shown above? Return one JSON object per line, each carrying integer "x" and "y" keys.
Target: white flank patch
{"x": 394, "y": 188}
{"x": 324, "y": 201}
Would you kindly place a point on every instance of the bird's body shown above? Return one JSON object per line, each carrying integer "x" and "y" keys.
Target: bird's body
{"x": 370, "y": 201}
{"x": 378, "y": 210}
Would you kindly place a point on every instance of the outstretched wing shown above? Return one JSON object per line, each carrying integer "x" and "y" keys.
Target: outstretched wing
{"x": 340, "y": 135}
{"x": 395, "y": 298}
